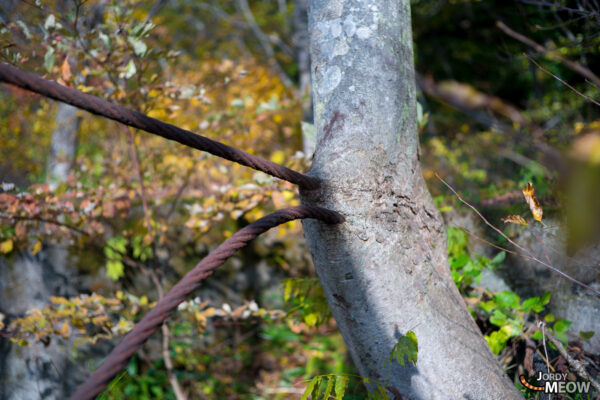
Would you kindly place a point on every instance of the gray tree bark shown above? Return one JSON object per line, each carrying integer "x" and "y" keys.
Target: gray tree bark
{"x": 63, "y": 145}
{"x": 38, "y": 371}
{"x": 385, "y": 270}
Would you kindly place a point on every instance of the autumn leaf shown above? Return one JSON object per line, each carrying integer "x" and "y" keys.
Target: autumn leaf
{"x": 36, "y": 247}
{"x": 65, "y": 70}
{"x": 534, "y": 204}
{"x": 514, "y": 219}
{"x": 64, "y": 330}
{"x": 6, "y": 246}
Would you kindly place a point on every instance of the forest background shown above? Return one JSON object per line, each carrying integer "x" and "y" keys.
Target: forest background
{"x": 97, "y": 220}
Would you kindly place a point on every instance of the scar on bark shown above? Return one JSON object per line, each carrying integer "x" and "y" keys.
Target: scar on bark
{"x": 342, "y": 301}
{"x": 337, "y": 119}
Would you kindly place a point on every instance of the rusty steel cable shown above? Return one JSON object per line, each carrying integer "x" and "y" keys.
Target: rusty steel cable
{"x": 96, "y": 105}
{"x": 120, "y": 355}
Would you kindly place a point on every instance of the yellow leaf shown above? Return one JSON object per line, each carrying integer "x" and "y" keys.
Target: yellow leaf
{"x": 6, "y": 246}
{"x": 278, "y": 157}
{"x": 36, "y": 248}
{"x": 534, "y": 204}
{"x": 64, "y": 330}
{"x": 288, "y": 195}
{"x": 514, "y": 219}
{"x": 157, "y": 113}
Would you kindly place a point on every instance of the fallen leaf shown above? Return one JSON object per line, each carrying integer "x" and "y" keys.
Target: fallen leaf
{"x": 534, "y": 204}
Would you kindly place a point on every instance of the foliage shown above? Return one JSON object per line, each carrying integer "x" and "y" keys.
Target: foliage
{"x": 334, "y": 386}
{"x": 308, "y": 299}
{"x": 406, "y": 349}
{"x": 466, "y": 269}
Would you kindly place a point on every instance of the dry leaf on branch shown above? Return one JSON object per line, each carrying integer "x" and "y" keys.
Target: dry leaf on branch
{"x": 514, "y": 219}
{"x": 534, "y": 204}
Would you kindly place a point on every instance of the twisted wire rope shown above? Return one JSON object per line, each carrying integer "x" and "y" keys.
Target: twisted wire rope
{"x": 131, "y": 343}
{"x": 96, "y": 105}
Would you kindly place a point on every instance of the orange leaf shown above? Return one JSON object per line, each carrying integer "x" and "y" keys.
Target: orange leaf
{"x": 534, "y": 204}
{"x": 65, "y": 70}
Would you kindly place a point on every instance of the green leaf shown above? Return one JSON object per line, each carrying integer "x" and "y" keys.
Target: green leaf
{"x": 537, "y": 335}
{"x": 529, "y": 304}
{"x": 561, "y": 336}
{"x": 507, "y": 299}
{"x": 487, "y": 306}
{"x": 408, "y": 347}
{"x": 139, "y": 47}
{"x": 130, "y": 70}
{"x": 498, "y": 318}
{"x": 310, "y": 387}
{"x": 586, "y": 335}
{"x": 499, "y": 258}
{"x": 546, "y": 298}
{"x": 114, "y": 269}
{"x": 341, "y": 383}
{"x": 329, "y": 387}
{"x": 287, "y": 292}
{"x": 497, "y": 340}
{"x": 561, "y": 325}
{"x": 132, "y": 367}
{"x": 310, "y": 319}
{"x": 549, "y": 317}
{"x": 49, "y": 59}
{"x": 317, "y": 388}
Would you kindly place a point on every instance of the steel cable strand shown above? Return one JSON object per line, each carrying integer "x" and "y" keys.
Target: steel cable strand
{"x": 135, "y": 119}
{"x": 120, "y": 355}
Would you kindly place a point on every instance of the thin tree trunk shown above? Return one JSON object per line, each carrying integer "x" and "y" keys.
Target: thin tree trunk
{"x": 385, "y": 270}
{"x": 64, "y": 143}
{"x": 38, "y": 371}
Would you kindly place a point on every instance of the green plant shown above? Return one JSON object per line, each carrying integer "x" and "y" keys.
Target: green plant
{"x": 466, "y": 268}
{"x": 306, "y": 296}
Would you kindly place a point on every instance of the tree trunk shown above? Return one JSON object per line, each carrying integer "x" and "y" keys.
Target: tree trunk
{"x": 37, "y": 371}
{"x": 64, "y": 143}
{"x": 385, "y": 270}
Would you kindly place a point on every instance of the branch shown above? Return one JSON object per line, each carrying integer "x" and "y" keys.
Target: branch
{"x": 98, "y": 106}
{"x": 591, "y": 99}
{"x": 578, "y": 366}
{"x": 265, "y": 43}
{"x": 572, "y": 65}
{"x": 131, "y": 343}
{"x": 526, "y": 252}
{"x": 179, "y": 395}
